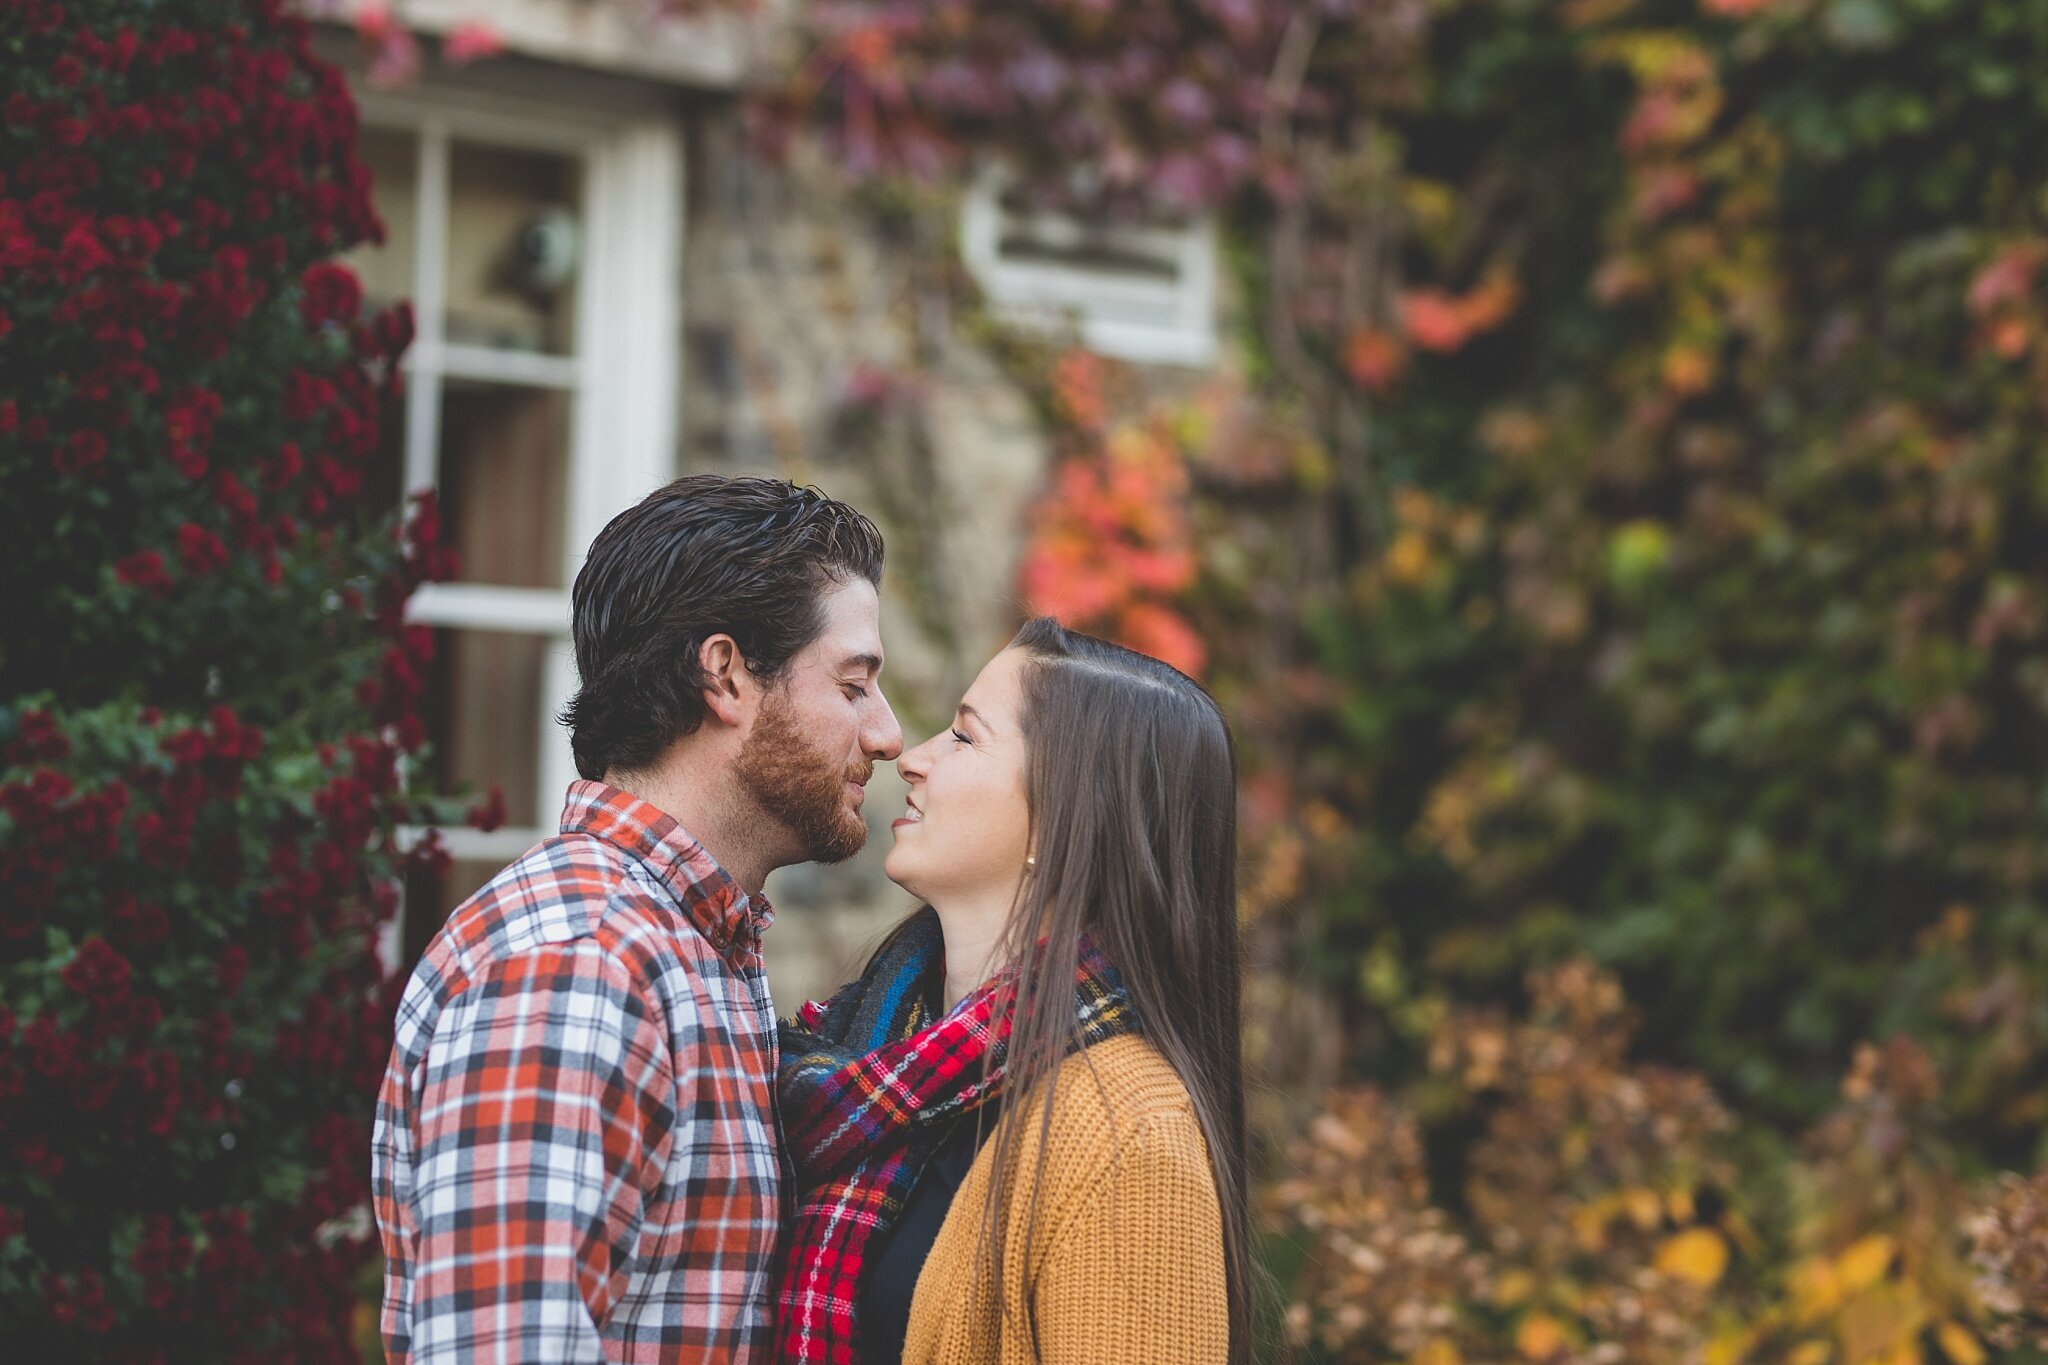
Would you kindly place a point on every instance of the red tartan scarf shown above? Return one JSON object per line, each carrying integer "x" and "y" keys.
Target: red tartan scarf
{"x": 870, "y": 1083}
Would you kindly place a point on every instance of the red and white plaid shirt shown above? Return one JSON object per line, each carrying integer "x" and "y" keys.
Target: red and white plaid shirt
{"x": 575, "y": 1154}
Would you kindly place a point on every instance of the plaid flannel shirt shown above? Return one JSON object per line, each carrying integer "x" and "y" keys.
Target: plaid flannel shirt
{"x": 575, "y": 1155}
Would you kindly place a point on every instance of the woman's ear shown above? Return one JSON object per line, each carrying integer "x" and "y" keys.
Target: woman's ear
{"x": 729, "y": 689}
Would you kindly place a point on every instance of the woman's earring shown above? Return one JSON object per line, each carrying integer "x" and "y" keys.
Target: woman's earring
{"x": 1031, "y": 860}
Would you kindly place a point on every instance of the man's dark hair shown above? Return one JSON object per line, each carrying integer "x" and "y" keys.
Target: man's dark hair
{"x": 749, "y": 558}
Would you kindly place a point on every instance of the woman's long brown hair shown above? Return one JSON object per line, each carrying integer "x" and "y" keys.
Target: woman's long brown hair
{"x": 1131, "y": 782}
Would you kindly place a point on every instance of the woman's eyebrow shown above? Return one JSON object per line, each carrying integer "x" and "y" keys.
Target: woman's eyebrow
{"x": 979, "y": 719}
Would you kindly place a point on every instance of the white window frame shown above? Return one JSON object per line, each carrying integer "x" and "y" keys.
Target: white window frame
{"x": 622, "y": 376}
{"x": 1126, "y": 315}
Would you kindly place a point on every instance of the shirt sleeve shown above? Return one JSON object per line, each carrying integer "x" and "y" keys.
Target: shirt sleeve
{"x": 1134, "y": 1273}
{"x": 545, "y": 1116}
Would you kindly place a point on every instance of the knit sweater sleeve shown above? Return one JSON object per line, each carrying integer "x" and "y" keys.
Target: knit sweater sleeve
{"x": 1134, "y": 1273}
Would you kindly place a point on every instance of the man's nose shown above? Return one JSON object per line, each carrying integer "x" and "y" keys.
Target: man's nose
{"x": 885, "y": 736}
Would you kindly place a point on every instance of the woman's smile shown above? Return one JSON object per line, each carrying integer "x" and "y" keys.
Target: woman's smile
{"x": 967, "y": 783}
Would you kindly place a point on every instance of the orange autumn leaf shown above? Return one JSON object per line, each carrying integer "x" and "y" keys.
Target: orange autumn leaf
{"x": 1110, "y": 544}
{"x": 1539, "y": 1337}
{"x": 1159, "y": 631}
{"x": 1437, "y": 320}
{"x": 1491, "y": 304}
{"x": 1375, "y": 359}
{"x": 2009, "y": 338}
{"x": 1433, "y": 320}
{"x": 868, "y": 47}
{"x": 1077, "y": 389}
{"x": 1687, "y": 370}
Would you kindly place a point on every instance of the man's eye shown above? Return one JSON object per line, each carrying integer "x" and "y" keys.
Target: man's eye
{"x": 855, "y": 690}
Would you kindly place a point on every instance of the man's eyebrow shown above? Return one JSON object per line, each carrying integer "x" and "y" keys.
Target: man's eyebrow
{"x": 976, "y": 717}
{"x": 856, "y": 663}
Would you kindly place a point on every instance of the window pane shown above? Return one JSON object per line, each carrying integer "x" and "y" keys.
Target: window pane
{"x": 505, "y": 481}
{"x": 515, "y": 227}
{"x": 393, "y": 160}
{"x": 484, "y": 713}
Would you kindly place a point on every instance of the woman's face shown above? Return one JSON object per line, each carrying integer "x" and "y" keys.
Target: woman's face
{"x": 962, "y": 834}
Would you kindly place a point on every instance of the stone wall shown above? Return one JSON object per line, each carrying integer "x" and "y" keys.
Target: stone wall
{"x": 804, "y": 311}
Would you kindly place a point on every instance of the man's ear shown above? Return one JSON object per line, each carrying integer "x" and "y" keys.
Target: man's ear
{"x": 729, "y": 689}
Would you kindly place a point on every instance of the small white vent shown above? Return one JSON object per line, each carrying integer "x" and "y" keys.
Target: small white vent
{"x": 1137, "y": 291}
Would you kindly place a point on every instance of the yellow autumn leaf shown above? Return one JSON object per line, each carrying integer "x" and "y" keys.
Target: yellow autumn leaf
{"x": 1882, "y": 1326}
{"x": 1645, "y": 1210}
{"x": 1958, "y": 1345}
{"x": 1513, "y": 1288}
{"x": 1681, "y": 1205}
{"x": 1409, "y": 560}
{"x": 1589, "y": 1227}
{"x": 1437, "y": 1353}
{"x": 1697, "y": 1256}
{"x": 1730, "y": 1346}
{"x": 1865, "y": 1262}
{"x": 1816, "y": 1288}
{"x": 1810, "y": 1353}
{"x": 1539, "y": 1337}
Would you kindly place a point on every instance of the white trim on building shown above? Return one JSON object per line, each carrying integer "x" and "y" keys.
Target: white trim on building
{"x": 621, "y": 379}
{"x": 713, "y": 49}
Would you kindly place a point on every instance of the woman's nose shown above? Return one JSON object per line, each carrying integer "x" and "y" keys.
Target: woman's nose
{"x": 911, "y": 763}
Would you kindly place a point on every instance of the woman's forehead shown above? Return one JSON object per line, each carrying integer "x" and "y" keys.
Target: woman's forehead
{"x": 999, "y": 687}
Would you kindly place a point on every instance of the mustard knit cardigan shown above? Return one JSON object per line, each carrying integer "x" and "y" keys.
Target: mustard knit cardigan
{"x": 1126, "y": 1262}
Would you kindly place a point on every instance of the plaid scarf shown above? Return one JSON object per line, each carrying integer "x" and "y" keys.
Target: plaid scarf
{"x": 869, "y": 1084}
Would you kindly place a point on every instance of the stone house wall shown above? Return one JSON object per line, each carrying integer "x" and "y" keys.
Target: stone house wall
{"x": 802, "y": 312}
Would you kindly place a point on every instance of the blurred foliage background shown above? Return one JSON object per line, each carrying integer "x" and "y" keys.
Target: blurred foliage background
{"x": 1620, "y": 543}
{"x": 1618, "y": 533}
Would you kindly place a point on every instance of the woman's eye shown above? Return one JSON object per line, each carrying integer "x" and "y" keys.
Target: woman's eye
{"x": 962, "y": 738}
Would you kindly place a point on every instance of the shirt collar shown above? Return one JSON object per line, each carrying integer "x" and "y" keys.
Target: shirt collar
{"x": 730, "y": 920}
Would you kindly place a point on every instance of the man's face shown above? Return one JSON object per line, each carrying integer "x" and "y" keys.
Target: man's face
{"x": 820, "y": 729}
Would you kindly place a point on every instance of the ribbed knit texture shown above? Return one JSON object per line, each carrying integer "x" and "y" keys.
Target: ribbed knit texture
{"x": 1126, "y": 1262}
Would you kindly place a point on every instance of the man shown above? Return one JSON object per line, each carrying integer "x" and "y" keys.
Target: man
{"x": 575, "y": 1155}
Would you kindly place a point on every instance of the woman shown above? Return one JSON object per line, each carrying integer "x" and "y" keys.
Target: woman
{"x": 1019, "y": 1136}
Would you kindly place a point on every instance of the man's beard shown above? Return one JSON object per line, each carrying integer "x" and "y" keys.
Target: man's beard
{"x": 800, "y": 786}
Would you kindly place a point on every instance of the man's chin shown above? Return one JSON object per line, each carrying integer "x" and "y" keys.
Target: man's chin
{"x": 842, "y": 844}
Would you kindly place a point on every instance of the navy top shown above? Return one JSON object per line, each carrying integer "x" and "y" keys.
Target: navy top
{"x": 886, "y": 1290}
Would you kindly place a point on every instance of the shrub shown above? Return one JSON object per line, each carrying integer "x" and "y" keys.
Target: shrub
{"x": 2009, "y": 1247}
{"x": 1591, "y": 1212}
{"x": 206, "y": 694}
{"x": 1675, "y": 586}
{"x": 1110, "y": 549}
{"x": 1650, "y": 564}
